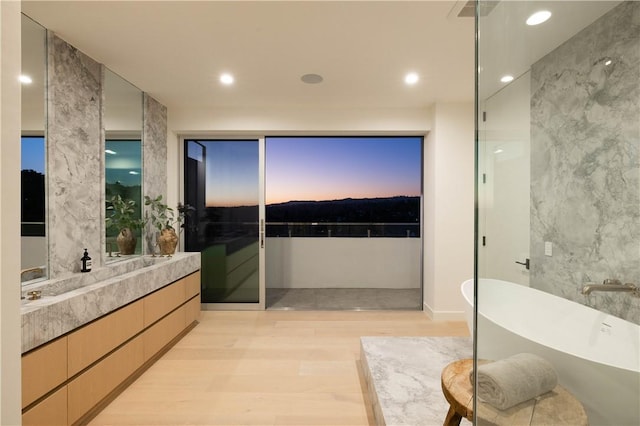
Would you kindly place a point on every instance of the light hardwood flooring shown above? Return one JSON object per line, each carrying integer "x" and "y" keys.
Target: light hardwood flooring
{"x": 266, "y": 368}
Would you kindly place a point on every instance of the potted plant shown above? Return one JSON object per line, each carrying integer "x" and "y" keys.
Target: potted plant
{"x": 164, "y": 219}
{"x": 123, "y": 219}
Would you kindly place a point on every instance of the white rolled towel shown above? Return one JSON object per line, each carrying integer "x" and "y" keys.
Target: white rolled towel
{"x": 510, "y": 381}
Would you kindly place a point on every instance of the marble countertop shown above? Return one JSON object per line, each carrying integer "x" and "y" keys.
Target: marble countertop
{"x": 93, "y": 295}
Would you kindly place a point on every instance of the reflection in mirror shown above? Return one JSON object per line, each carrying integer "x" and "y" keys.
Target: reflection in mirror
{"x": 123, "y": 163}
{"x": 34, "y": 256}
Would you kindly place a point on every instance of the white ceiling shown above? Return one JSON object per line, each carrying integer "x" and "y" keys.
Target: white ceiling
{"x": 176, "y": 50}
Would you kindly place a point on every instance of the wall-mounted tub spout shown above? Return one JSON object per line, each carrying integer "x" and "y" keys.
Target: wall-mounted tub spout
{"x": 612, "y": 285}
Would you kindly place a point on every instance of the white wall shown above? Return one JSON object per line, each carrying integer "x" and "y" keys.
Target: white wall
{"x": 10, "y": 383}
{"x": 275, "y": 121}
{"x": 449, "y": 203}
{"x": 343, "y": 262}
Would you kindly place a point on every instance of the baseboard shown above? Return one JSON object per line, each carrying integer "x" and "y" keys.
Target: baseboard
{"x": 443, "y": 315}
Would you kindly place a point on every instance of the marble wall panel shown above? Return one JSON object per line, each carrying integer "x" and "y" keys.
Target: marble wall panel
{"x": 585, "y": 163}
{"x": 74, "y": 153}
{"x": 154, "y": 153}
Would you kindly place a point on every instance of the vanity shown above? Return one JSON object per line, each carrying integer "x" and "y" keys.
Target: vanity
{"x": 74, "y": 364}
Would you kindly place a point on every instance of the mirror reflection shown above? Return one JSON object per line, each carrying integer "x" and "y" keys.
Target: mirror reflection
{"x": 34, "y": 256}
{"x": 123, "y": 166}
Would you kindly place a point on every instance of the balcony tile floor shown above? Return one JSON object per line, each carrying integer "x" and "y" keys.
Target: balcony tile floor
{"x": 340, "y": 299}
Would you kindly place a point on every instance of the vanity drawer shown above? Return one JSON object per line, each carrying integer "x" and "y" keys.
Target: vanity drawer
{"x": 50, "y": 411}
{"x": 192, "y": 283}
{"x": 163, "y": 301}
{"x": 162, "y": 332}
{"x": 43, "y": 369}
{"x": 192, "y": 310}
{"x": 91, "y": 342}
{"x": 92, "y": 386}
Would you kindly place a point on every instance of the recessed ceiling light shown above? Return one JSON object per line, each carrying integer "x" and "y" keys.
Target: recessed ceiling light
{"x": 608, "y": 62}
{"x": 25, "y": 79}
{"x": 110, "y": 151}
{"x": 226, "y": 79}
{"x": 538, "y": 17}
{"x": 506, "y": 78}
{"x": 498, "y": 151}
{"x": 411, "y": 78}
{"x": 312, "y": 78}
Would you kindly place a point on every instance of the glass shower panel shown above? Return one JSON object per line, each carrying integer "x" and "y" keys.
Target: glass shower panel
{"x": 558, "y": 178}
{"x": 222, "y": 184}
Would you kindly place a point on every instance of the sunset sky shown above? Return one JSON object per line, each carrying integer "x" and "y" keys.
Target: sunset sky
{"x": 305, "y": 169}
{"x": 312, "y": 169}
{"x": 32, "y": 152}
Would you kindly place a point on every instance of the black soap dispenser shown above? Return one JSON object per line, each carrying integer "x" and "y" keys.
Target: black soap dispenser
{"x": 86, "y": 262}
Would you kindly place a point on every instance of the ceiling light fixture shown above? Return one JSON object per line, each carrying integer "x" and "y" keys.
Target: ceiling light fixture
{"x": 411, "y": 78}
{"x": 506, "y": 78}
{"x": 538, "y": 17}
{"x": 25, "y": 79}
{"x": 226, "y": 79}
{"x": 608, "y": 62}
{"x": 312, "y": 78}
{"x": 110, "y": 151}
{"x": 133, "y": 172}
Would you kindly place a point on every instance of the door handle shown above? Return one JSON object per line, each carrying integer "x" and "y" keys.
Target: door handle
{"x": 261, "y": 233}
{"x": 526, "y": 263}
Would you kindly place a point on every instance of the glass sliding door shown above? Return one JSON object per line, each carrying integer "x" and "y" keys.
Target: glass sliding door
{"x": 223, "y": 184}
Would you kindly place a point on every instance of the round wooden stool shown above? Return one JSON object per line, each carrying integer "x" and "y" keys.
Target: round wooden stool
{"x": 557, "y": 407}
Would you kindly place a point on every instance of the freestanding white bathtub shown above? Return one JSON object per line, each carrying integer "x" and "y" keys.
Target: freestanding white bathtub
{"x": 596, "y": 355}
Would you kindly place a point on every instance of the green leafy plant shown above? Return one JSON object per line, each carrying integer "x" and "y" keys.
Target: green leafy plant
{"x": 161, "y": 216}
{"x": 122, "y": 214}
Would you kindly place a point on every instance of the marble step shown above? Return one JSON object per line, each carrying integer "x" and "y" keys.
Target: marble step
{"x": 403, "y": 377}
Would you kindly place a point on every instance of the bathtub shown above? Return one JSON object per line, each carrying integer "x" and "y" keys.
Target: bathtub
{"x": 596, "y": 355}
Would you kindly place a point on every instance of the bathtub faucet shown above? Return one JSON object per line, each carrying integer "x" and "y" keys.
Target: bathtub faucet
{"x": 612, "y": 285}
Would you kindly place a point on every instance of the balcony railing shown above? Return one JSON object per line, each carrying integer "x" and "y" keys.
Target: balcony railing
{"x": 343, "y": 229}
{"x": 232, "y": 230}
{"x": 32, "y": 229}
{"x": 201, "y": 234}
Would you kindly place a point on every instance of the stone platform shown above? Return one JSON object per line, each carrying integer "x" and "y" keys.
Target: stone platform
{"x": 403, "y": 377}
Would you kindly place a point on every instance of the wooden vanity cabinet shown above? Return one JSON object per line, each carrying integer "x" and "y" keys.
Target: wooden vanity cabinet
{"x": 50, "y": 411}
{"x": 43, "y": 370}
{"x": 69, "y": 379}
{"x": 93, "y": 341}
{"x": 88, "y": 389}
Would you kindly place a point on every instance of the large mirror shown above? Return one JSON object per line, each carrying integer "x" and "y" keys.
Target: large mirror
{"x": 34, "y": 256}
{"x": 123, "y": 163}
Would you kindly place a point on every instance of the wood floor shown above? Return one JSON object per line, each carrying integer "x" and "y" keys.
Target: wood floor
{"x": 266, "y": 368}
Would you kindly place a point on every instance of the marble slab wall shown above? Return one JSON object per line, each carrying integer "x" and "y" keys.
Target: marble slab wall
{"x": 75, "y": 150}
{"x": 74, "y": 153}
{"x": 585, "y": 163}
{"x": 154, "y": 153}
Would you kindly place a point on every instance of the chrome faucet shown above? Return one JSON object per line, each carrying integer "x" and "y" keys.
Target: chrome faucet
{"x": 612, "y": 285}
